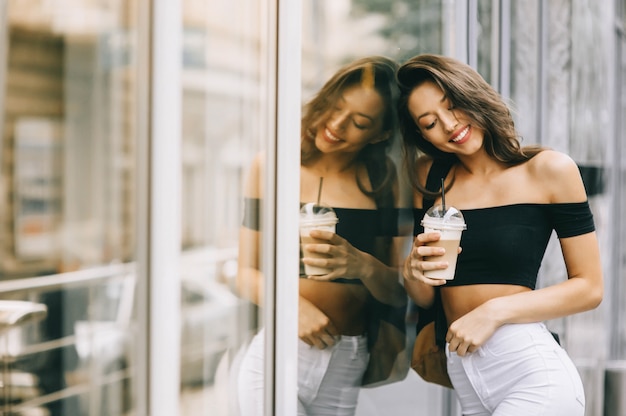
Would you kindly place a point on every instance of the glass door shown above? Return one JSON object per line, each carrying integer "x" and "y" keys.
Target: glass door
{"x": 335, "y": 33}
{"x": 69, "y": 113}
{"x": 237, "y": 205}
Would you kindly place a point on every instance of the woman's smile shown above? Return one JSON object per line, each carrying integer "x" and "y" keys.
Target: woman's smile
{"x": 330, "y": 137}
{"x": 462, "y": 135}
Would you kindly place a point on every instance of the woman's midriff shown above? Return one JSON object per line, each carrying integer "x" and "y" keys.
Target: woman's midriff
{"x": 459, "y": 300}
{"x": 343, "y": 303}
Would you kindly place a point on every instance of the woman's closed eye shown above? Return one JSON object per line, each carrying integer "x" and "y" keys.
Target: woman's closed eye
{"x": 359, "y": 125}
{"x": 424, "y": 124}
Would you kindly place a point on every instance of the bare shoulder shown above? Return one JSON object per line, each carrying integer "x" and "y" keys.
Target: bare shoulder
{"x": 559, "y": 175}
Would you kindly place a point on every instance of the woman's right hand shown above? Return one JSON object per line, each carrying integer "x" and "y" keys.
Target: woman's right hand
{"x": 314, "y": 327}
{"x": 416, "y": 263}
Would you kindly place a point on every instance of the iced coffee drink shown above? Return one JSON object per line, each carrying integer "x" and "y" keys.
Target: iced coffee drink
{"x": 315, "y": 217}
{"x": 450, "y": 224}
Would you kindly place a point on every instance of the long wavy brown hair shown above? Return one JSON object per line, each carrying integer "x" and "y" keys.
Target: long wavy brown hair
{"x": 379, "y": 73}
{"x": 467, "y": 91}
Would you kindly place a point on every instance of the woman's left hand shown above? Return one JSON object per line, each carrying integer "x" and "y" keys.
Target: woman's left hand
{"x": 471, "y": 331}
{"x": 339, "y": 256}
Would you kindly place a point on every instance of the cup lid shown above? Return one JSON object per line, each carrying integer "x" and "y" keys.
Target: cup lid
{"x": 317, "y": 213}
{"x": 451, "y": 218}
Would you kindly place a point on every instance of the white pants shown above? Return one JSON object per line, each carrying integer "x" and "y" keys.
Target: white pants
{"x": 328, "y": 379}
{"x": 521, "y": 370}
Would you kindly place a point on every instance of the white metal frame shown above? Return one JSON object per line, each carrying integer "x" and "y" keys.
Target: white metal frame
{"x": 288, "y": 92}
{"x": 165, "y": 201}
{"x": 282, "y": 190}
{"x": 158, "y": 201}
{"x": 269, "y": 220}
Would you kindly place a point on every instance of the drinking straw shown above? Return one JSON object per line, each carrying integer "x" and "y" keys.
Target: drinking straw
{"x": 319, "y": 190}
{"x": 443, "y": 196}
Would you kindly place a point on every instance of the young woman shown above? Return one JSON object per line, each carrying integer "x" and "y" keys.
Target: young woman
{"x": 346, "y": 131}
{"x": 501, "y": 359}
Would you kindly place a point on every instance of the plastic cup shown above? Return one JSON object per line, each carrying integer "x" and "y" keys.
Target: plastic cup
{"x": 450, "y": 224}
{"x": 315, "y": 217}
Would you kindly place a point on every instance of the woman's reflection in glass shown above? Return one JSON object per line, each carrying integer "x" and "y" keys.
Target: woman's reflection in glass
{"x": 351, "y": 319}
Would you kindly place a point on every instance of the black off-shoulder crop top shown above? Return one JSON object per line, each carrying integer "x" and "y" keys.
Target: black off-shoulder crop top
{"x": 360, "y": 227}
{"x": 506, "y": 244}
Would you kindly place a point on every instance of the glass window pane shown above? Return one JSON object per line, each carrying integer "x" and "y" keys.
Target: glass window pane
{"x": 227, "y": 108}
{"x": 69, "y": 113}
{"x": 336, "y": 33}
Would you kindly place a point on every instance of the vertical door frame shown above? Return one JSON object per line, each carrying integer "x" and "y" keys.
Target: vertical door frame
{"x": 159, "y": 208}
{"x": 282, "y": 195}
{"x": 288, "y": 115}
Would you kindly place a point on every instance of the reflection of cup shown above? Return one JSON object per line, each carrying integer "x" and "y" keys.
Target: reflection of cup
{"x": 450, "y": 224}
{"x": 315, "y": 217}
